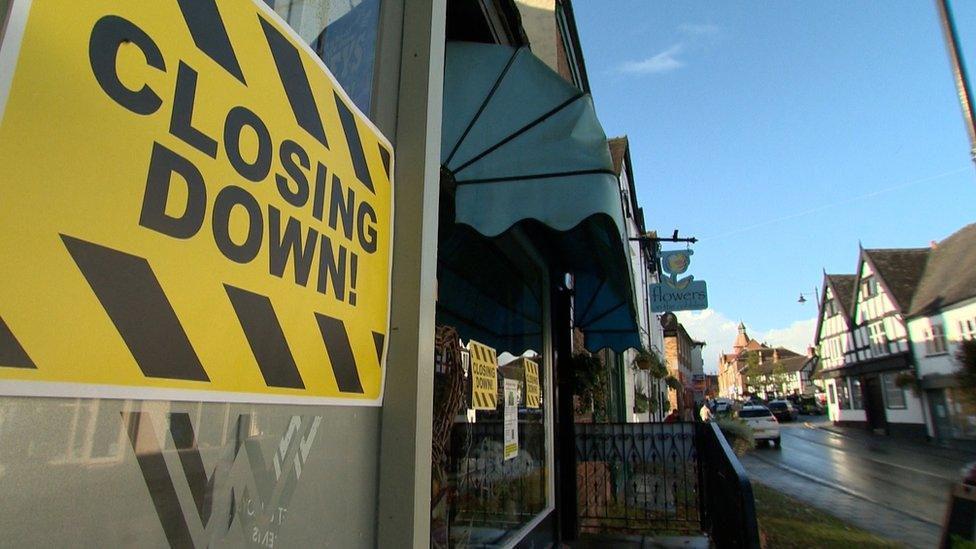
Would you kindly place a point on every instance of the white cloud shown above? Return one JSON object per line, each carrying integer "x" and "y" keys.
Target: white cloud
{"x": 664, "y": 61}
{"x": 719, "y": 331}
{"x": 699, "y": 29}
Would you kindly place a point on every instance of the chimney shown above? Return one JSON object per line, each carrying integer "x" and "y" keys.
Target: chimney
{"x": 933, "y": 244}
{"x": 811, "y": 351}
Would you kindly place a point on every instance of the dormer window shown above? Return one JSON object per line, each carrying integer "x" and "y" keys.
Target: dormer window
{"x": 869, "y": 287}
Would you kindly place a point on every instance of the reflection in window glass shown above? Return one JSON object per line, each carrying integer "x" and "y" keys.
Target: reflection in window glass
{"x": 343, "y": 34}
{"x": 843, "y": 395}
{"x": 856, "y": 401}
{"x": 497, "y": 496}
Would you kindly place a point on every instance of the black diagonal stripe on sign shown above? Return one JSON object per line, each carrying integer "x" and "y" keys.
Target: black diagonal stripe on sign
{"x": 210, "y": 35}
{"x": 196, "y": 475}
{"x": 378, "y": 342}
{"x": 385, "y": 157}
{"x": 295, "y": 81}
{"x": 340, "y": 353}
{"x": 351, "y": 130}
{"x": 158, "y": 481}
{"x": 267, "y": 340}
{"x": 130, "y": 293}
{"x": 12, "y": 353}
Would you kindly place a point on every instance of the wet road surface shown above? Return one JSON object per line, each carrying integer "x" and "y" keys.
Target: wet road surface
{"x": 891, "y": 487}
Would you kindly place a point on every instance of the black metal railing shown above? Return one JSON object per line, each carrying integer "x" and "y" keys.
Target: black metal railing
{"x": 663, "y": 479}
{"x": 728, "y": 511}
{"x": 637, "y": 477}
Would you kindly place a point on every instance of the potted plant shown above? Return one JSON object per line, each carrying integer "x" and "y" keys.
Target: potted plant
{"x": 589, "y": 377}
{"x": 642, "y": 404}
{"x": 644, "y": 360}
{"x": 673, "y": 383}
{"x": 907, "y": 380}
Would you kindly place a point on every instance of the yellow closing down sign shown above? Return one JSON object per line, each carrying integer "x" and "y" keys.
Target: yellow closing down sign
{"x": 193, "y": 209}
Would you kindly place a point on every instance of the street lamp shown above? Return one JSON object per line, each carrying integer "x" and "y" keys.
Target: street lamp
{"x": 803, "y": 296}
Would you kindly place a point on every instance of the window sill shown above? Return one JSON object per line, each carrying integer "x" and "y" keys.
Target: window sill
{"x": 943, "y": 353}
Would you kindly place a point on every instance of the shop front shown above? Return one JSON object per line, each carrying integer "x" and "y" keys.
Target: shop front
{"x": 254, "y": 254}
{"x": 530, "y": 248}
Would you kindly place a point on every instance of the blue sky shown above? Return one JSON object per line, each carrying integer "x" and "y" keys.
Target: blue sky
{"x": 781, "y": 134}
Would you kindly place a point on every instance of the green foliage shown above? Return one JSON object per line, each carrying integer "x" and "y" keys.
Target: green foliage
{"x": 673, "y": 383}
{"x": 589, "y": 383}
{"x": 785, "y": 522}
{"x": 658, "y": 369}
{"x": 641, "y": 403}
{"x": 966, "y": 374}
{"x": 907, "y": 380}
{"x": 738, "y": 434}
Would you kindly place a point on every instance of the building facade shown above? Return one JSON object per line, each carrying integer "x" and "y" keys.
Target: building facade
{"x": 943, "y": 314}
{"x": 863, "y": 355}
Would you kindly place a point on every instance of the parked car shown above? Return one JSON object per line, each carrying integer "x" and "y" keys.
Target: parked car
{"x": 809, "y": 405}
{"x": 721, "y": 406}
{"x": 764, "y": 425}
{"x": 783, "y": 410}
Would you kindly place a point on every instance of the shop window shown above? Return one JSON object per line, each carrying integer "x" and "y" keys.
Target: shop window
{"x": 485, "y": 492}
{"x": 894, "y": 395}
{"x": 843, "y": 395}
{"x": 343, "y": 34}
{"x": 856, "y": 397}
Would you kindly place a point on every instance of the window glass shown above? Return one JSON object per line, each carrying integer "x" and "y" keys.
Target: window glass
{"x": 843, "y": 395}
{"x": 343, "y": 34}
{"x": 856, "y": 402}
{"x": 894, "y": 395}
{"x": 482, "y": 494}
{"x": 831, "y": 394}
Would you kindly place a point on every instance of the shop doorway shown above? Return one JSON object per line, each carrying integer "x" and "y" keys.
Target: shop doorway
{"x": 874, "y": 406}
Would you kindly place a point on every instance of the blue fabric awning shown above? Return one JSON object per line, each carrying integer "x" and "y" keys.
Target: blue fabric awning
{"x": 525, "y": 149}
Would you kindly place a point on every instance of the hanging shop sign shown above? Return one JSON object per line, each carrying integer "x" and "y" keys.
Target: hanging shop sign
{"x": 511, "y": 418}
{"x": 484, "y": 378}
{"x": 674, "y": 293}
{"x": 193, "y": 209}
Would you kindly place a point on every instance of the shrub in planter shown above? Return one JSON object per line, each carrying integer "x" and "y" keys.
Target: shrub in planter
{"x": 966, "y": 374}
{"x": 738, "y": 434}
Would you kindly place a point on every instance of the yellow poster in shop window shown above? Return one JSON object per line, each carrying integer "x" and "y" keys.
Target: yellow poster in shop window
{"x": 484, "y": 378}
{"x": 193, "y": 209}
{"x": 533, "y": 391}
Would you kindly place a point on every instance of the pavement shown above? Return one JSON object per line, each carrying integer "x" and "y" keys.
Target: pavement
{"x": 894, "y": 488}
{"x": 607, "y": 541}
